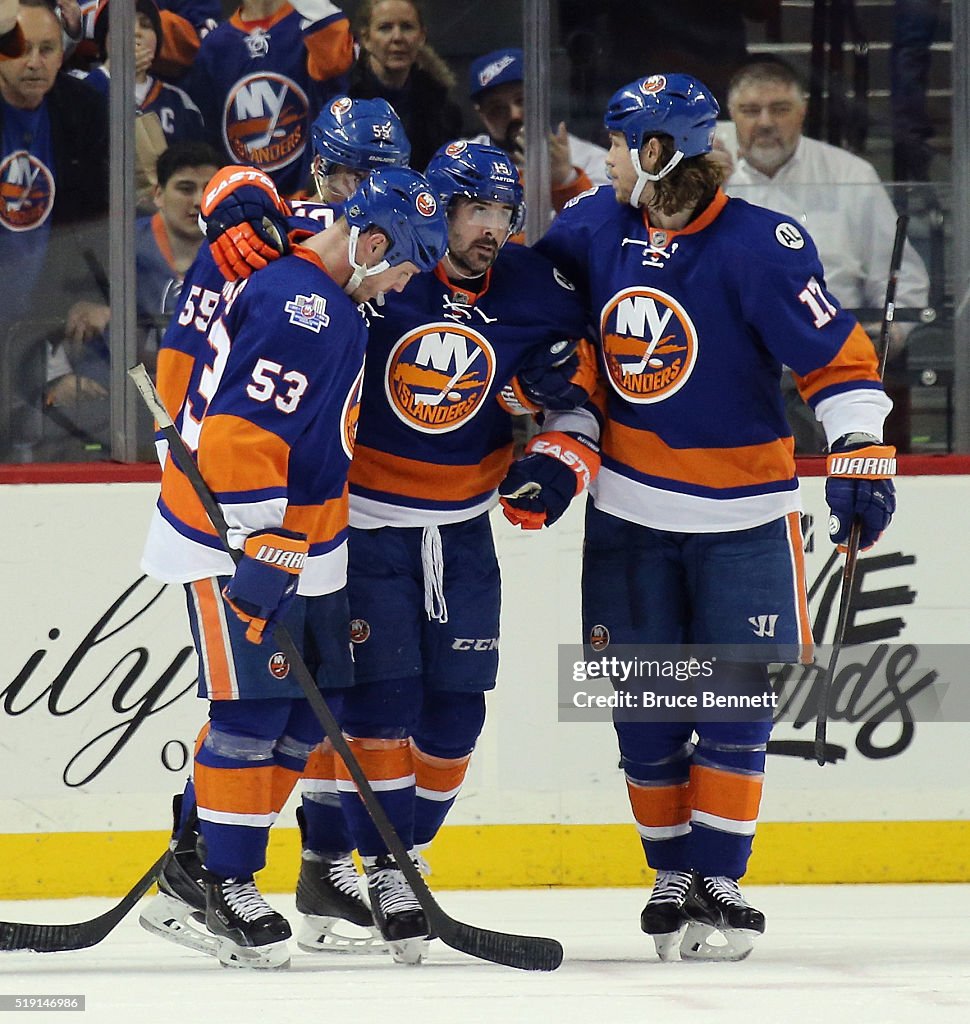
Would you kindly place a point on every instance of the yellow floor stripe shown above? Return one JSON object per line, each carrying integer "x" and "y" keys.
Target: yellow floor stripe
{"x": 62, "y": 864}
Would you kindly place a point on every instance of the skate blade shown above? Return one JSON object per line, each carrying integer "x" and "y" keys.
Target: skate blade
{"x": 175, "y": 921}
{"x": 736, "y": 945}
{"x": 409, "y": 951}
{"x": 335, "y": 935}
{"x": 668, "y": 944}
{"x": 274, "y": 956}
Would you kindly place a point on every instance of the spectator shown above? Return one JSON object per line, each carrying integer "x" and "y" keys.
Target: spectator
{"x": 261, "y": 78}
{"x": 185, "y": 23}
{"x": 75, "y": 392}
{"x": 397, "y": 64}
{"x": 53, "y": 171}
{"x": 499, "y": 97}
{"x": 179, "y": 117}
{"x": 836, "y": 195}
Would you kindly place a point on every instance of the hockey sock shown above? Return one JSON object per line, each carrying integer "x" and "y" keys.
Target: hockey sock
{"x": 438, "y": 782}
{"x": 656, "y": 758}
{"x": 326, "y": 828}
{"x": 234, "y": 789}
{"x": 290, "y": 755}
{"x": 726, "y": 781}
{"x": 389, "y": 769}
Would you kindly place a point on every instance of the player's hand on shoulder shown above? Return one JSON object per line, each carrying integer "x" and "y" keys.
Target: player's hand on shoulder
{"x": 556, "y": 466}
{"x": 266, "y": 578}
{"x": 859, "y": 486}
{"x": 551, "y": 377}
{"x": 245, "y": 221}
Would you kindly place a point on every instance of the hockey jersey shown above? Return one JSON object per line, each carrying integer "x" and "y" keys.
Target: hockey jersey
{"x": 434, "y": 442}
{"x": 694, "y": 328}
{"x": 270, "y": 415}
{"x": 260, "y": 84}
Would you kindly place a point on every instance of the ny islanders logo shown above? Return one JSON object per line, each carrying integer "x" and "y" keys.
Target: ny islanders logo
{"x": 649, "y": 343}
{"x": 264, "y": 121}
{"x": 438, "y": 376}
{"x": 26, "y": 192}
{"x": 350, "y": 415}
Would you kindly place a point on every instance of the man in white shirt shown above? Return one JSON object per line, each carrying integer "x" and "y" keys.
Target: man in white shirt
{"x": 836, "y": 195}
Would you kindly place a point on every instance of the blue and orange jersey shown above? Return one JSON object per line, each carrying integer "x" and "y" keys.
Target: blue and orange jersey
{"x": 694, "y": 329}
{"x": 270, "y": 414}
{"x": 434, "y": 441}
{"x": 260, "y": 84}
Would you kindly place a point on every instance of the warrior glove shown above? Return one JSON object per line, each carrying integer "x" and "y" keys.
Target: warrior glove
{"x": 859, "y": 486}
{"x": 266, "y": 578}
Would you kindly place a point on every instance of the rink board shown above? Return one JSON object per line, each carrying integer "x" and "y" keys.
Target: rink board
{"x": 98, "y": 715}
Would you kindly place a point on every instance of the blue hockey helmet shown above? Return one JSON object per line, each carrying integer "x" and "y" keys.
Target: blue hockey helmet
{"x": 676, "y": 105}
{"x": 362, "y": 134}
{"x": 403, "y": 205}
{"x": 479, "y": 172}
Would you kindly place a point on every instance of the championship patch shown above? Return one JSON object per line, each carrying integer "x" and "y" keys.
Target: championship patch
{"x": 649, "y": 344}
{"x": 438, "y": 375}
{"x": 309, "y": 311}
{"x": 359, "y": 631}
{"x": 599, "y": 638}
{"x": 279, "y": 667}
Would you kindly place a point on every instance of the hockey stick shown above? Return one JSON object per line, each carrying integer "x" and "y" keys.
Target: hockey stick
{"x": 852, "y": 544}
{"x": 59, "y": 938}
{"x": 525, "y": 952}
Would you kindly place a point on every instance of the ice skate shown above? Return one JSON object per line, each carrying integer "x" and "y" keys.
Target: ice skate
{"x": 715, "y": 905}
{"x": 396, "y": 910}
{"x": 177, "y": 913}
{"x": 249, "y": 932}
{"x": 663, "y": 917}
{"x": 336, "y": 918}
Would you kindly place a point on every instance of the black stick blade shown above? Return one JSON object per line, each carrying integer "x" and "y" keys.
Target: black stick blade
{"x": 60, "y": 938}
{"x": 524, "y": 952}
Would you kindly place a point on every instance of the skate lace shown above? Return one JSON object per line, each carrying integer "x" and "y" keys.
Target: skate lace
{"x": 670, "y": 887}
{"x": 725, "y": 890}
{"x": 245, "y": 900}
{"x": 342, "y": 874}
{"x": 393, "y": 892}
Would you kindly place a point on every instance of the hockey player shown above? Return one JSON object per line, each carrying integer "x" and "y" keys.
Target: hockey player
{"x": 350, "y": 139}
{"x": 492, "y": 329}
{"x": 271, "y": 419}
{"x": 692, "y": 530}
{"x": 261, "y": 77}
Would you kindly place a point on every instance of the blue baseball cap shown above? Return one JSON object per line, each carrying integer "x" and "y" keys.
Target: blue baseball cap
{"x": 496, "y": 68}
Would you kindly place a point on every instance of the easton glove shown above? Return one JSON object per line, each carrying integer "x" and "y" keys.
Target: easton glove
{"x": 245, "y": 221}
{"x": 859, "y": 486}
{"x": 555, "y": 468}
{"x": 266, "y": 578}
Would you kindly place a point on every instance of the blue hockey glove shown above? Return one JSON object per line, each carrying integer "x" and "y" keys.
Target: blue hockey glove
{"x": 266, "y": 578}
{"x": 556, "y": 467}
{"x": 859, "y": 486}
{"x": 548, "y": 378}
{"x": 245, "y": 221}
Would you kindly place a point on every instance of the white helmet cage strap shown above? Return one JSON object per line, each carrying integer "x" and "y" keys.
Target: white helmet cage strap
{"x": 644, "y": 176}
{"x": 360, "y": 270}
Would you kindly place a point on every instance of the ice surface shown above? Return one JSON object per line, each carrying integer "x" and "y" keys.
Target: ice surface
{"x": 831, "y": 955}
